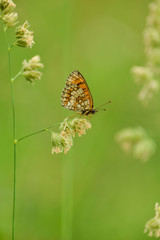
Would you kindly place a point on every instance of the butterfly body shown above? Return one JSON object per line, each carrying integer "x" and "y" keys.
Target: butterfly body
{"x": 92, "y": 111}
{"x": 76, "y": 95}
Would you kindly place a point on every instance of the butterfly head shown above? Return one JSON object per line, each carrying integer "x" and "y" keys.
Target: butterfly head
{"x": 93, "y": 111}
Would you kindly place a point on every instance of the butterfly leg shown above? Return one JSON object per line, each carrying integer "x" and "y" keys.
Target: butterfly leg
{"x": 74, "y": 115}
{"x": 90, "y": 118}
{"x": 84, "y": 116}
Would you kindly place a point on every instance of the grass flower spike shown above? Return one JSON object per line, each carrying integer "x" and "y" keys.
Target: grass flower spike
{"x": 143, "y": 75}
{"x": 66, "y": 129}
{"x": 58, "y": 143}
{"x": 153, "y": 225}
{"x": 135, "y": 140}
{"x": 9, "y": 17}
{"x": 64, "y": 141}
{"x": 127, "y": 137}
{"x": 24, "y": 36}
{"x": 149, "y": 75}
{"x": 80, "y": 126}
{"x": 148, "y": 91}
{"x": 7, "y": 6}
{"x": 68, "y": 142}
{"x": 31, "y": 69}
{"x": 144, "y": 149}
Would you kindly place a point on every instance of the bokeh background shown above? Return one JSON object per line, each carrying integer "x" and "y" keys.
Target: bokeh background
{"x": 95, "y": 191}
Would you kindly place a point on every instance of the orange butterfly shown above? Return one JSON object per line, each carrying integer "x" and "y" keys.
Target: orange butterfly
{"x": 76, "y": 95}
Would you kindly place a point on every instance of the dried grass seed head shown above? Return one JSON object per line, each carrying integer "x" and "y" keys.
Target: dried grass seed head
{"x": 148, "y": 91}
{"x": 24, "y": 36}
{"x": 10, "y": 19}
{"x": 7, "y": 6}
{"x": 142, "y": 74}
{"x": 152, "y": 227}
{"x": 58, "y": 143}
{"x": 135, "y": 140}
{"x": 31, "y": 69}
{"x": 80, "y": 126}
{"x": 66, "y": 128}
{"x": 144, "y": 149}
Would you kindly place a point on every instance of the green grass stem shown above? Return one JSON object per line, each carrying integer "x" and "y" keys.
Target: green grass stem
{"x": 14, "y": 135}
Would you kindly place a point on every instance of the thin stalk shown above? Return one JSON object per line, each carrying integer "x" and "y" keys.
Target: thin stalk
{"x": 14, "y": 193}
{"x": 37, "y": 132}
{"x": 14, "y": 135}
{"x": 67, "y": 198}
{"x": 67, "y": 172}
{"x": 18, "y": 74}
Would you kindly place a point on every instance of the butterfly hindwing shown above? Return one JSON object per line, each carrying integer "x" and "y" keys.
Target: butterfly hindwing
{"x": 76, "y": 95}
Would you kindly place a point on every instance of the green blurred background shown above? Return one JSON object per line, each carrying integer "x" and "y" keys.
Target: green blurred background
{"x": 109, "y": 195}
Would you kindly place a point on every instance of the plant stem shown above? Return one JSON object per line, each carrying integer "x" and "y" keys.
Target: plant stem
{"x": 14, "y": 134}
{"x": 14, "y": 193}
{"x": 67, "y": 172}
{"x": 67, "y": 198}
{"x": 18, "y": 74}
{"x": 37, "y": 132}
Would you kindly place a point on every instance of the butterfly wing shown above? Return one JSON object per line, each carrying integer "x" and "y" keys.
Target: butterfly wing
{"x": 76, "y": 95}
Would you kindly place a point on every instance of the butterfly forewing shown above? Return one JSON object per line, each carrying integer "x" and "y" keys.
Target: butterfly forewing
{"x": 76, "y": 95}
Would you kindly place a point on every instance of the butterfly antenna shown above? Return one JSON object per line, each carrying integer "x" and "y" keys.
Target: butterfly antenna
{"x": 104, "y": 109}
{"x": 103, "y": 105}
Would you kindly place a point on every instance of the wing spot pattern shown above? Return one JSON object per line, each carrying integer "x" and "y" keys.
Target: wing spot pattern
{"x": 76, "y": 95}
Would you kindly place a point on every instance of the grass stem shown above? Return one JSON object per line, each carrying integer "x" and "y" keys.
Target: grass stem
{"x": 67, "y": 171}
{"x": 14, "y": 135}
{"x": 37, "y": 132}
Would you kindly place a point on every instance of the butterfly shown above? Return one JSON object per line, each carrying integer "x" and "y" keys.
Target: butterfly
{"x": 76, "y": 95}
